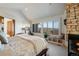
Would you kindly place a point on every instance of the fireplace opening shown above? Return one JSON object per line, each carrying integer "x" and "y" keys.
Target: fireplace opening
{"x": 73, "y": 45}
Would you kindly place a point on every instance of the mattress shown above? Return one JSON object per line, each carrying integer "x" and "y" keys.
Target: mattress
{"x": 24, "y": 45}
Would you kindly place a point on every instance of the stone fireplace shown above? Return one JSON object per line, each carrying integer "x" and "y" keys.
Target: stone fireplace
{"x": 72, "y": 25}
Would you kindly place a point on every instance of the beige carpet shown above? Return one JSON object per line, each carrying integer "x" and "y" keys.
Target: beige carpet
{"x": 54, "y": 50}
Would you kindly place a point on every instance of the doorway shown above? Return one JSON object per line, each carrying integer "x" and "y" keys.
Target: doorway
{"x": 11, "y": 27}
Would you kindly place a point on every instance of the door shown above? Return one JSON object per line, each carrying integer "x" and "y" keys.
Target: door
{"x": 11, "y": 28}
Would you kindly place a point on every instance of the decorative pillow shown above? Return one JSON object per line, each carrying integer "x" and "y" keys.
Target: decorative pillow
{"x": 30, "y": 33}
{"x": 3, "y": 38}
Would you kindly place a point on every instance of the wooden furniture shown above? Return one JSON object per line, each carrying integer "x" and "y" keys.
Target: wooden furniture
{"x": 1, "y": 19}
{"x": 43, "y": 52}
{"x": 57, "y": 39}
{"x": 57, "y": 42}
{"x": 11, "y": 28}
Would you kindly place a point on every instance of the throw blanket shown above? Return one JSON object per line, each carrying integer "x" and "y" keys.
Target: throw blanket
{"x": 21, "y": 45}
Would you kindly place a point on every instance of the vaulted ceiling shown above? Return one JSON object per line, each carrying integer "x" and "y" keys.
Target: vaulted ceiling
{"x": 33, "y": 11}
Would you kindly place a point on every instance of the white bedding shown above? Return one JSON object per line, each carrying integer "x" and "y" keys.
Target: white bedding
{"x": 21, "y": 45}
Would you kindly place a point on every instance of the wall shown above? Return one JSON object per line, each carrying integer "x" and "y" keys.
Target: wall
{"x": 46, "y": 19}
{"x": 20, "y": 21}
{"x": 63, "y": 26}
{"x": 72, "y": 11}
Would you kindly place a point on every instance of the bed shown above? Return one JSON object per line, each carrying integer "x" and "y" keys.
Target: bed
{"x": 25, "y": 45}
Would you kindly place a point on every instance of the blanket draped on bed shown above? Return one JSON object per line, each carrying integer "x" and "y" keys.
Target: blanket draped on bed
{"x": 23, "y": 44}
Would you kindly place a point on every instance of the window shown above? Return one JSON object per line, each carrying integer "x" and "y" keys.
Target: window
{"x": 56, "y": 27}
{"x": 56, "y": 24}
{"x": 50, "y": 24}
{"x": 39, "y": 27}
{"x": 52, "y": 27}
{"x": 45, "y": 27}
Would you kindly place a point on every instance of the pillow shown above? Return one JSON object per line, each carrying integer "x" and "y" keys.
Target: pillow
{"x": 3, "y": 38}
{"x": 30, "y": 33}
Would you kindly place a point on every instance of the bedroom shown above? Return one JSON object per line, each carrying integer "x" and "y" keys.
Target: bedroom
{"x": 41, "y": 20}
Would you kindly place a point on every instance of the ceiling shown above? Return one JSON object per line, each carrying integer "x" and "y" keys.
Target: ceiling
{"x": 36, "y": 10}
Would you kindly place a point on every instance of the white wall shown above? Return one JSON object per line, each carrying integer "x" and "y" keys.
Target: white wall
{"x": 16, "y": 15}
{"x": 5, "y": 25}
{"x": 63, "y": 26}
